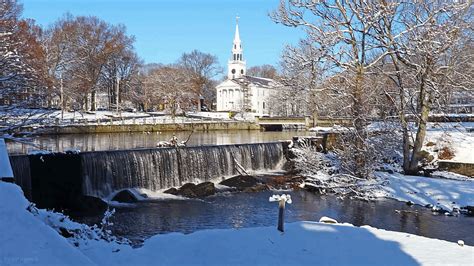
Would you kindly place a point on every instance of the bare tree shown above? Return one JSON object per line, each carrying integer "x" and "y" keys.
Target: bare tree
{"x": 202, "y": 67}
{"x": 171, "y": 87}
{"x": 341, "y": 32}
{"x": 22, "y": 83}
{"x": 422, "y": 40}
{"x": 88, "y": 55}
{"x": 263, "y": 71}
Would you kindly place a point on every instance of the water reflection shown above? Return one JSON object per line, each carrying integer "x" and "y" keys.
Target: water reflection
{"x": 116, "y": 141}
{"x": 253, "y": 209}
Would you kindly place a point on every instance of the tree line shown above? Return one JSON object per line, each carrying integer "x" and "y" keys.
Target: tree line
{"x": 84, "y": 63}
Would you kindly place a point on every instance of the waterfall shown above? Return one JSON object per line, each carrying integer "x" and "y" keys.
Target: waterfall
{"x": 154, "y": 169}
{"x": 21, "y": 171}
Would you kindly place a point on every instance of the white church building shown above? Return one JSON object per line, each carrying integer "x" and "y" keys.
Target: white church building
{"x": 242, "y": 93}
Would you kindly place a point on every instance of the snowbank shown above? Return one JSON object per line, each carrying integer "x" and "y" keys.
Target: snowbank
{"x": 26, "y": 240}
{"x": 444, "y": 193}
{"x": 303, "y": 243}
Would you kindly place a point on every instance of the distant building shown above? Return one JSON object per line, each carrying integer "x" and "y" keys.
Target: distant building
{"x": 242, "y": 93}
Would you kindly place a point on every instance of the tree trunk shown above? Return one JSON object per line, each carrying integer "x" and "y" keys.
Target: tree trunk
{"x": 93, "y": 100}
{"x": 359, "y": 124}
{"x": 424, "y": 101}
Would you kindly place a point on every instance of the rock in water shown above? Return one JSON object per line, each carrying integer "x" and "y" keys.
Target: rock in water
{"x": 172, "y": 191}
{"x": 327, "y": 220}
{"x": 190, "y": 190}
{"x": 91, "y": 205}
{"x": 187, "y": 190}
{"x": 205, "y": 189}
{"x": 125, "y": 196}
{"x": 241, "y": 182}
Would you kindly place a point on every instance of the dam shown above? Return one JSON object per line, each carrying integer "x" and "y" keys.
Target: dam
{"x": 62, "y": 180}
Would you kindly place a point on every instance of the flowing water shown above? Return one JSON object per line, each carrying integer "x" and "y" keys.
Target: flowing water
{"x": 155, "y": 169}
{"x": 241, "y": 210}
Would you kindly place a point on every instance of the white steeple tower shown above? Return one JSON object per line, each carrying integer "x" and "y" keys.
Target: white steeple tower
{"x": 236, "y": 65}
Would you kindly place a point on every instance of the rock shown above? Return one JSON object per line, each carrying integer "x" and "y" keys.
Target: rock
{"x": 125, "y": 196}
{"x": 144, "y": 195}
{"x": 470, "y": 210}
{"x": 187, "y": 186}
{"x": 410, "y": 203}
{"x": 461, "y": 243}
{"x": 88, "y": 205}
{"x": 173, "y": 191}
{"x": 429, "y": 206}
{"x": 240, "y": 182}
{"x": 187, "y": 190}
{"x": 327, "y": 220}
{"x": 257, "y": 188}
{"x": 204, "y": 189}
{"x": 190, "y": 190}
{"x": 65, "y": 233}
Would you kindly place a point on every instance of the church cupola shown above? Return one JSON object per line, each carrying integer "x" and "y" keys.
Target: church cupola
{"x": 236, "y": 64}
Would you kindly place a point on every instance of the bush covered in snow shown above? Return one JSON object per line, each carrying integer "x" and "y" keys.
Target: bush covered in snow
{"x": 323, "y": 173}
{"x": 78, "y": 234}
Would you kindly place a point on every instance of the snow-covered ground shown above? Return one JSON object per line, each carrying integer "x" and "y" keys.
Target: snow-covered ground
{"x": 454, "y": 136}
{"x": 55, "y": 117}
{"x": 443, "y": 193}
{"x": 303, "y": 243}
{"x": 27, "y": 240}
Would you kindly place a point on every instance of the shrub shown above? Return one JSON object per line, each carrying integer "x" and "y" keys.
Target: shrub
{"x": 446, "y": 153}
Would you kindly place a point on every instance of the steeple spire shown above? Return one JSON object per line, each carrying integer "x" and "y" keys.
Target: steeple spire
{"x": 237, "y": 35}
{"x": 236, "y": 65}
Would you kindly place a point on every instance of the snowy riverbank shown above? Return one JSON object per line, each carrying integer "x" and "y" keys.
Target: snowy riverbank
{"x": 27, "y": 240}
{"x": 442, "y": 193}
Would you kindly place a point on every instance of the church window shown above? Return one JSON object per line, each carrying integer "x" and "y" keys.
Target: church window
{"x": 235, "y": 57}
{"x": 242, "y": 71}
{"x": 263, "y": 105}
{"x": 233, "y": 71}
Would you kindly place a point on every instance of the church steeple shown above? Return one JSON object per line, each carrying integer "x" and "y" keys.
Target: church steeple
{"x": 236, "y": 65}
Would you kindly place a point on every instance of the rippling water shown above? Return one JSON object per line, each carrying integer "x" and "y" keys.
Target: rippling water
{"x": 240, "y": 210}
{"x": 117, "y": 141}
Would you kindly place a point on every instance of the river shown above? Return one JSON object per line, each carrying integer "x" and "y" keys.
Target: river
{"x": 240, "y": 210}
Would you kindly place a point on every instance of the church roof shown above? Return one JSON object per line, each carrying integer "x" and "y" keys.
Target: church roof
{"x": 257, "y": 81}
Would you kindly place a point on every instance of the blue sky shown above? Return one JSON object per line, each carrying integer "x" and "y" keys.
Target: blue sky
{"x": 164, "y": 29}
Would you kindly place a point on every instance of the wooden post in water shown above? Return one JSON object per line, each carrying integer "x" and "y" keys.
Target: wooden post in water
{"x": 282, "y": 199}
{"x": 281, "y": 215}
